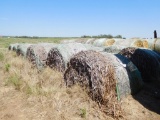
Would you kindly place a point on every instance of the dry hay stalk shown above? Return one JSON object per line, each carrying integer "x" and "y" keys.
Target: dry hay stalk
{"x": 93, "y": 71}
{"x": 109, "y": 42}
{"x": 59, "y": 57}
{"x": 147, "y": 62}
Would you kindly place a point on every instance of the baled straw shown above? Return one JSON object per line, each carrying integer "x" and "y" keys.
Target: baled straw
{"x": 22, "y": 49}
{"x": 90, "y": 41}
{"x": 137, "y": 43}
{"x": 147, "y": 61}
{"x": 99, "y": 42}
{"x": 94, "y": 71}
{"x": 59, "y": 57}
{"x": 113, "y": 49}
{"x": 109, "y": 42}
{"x": 128, "y": 77}
{"x": 149, "y": 43}
{"x": 157, "y": 45}
{"x": 38, "y": 53}
{"x": 129, "y": 42}
{"x": 13, "y": 47}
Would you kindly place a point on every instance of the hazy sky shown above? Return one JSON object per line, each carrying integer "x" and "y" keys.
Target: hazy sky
{"x": 60, "y": 18}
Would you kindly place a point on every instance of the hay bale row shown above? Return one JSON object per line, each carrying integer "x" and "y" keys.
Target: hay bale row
{"x": 147, "y": 61}
{"x": 129, "y": 42}
{"x": 13, "y": 47}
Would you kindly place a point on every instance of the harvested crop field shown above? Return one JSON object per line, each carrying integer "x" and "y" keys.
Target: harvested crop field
{"x": 27, "y": 93}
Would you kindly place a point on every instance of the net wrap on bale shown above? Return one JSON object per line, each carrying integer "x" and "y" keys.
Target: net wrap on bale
{"x": 99, "y": 42}
{"x": 109, "y": 42}
{"x": 38, "y": 53}
{"x": 93, "y": 71}
{"x": 13, "y": 47}
{"x": 59, "y": 57}
{"x": 128, "y": 77}
{"x": 157, "y": 45}
{"x": 22, "y": 49}
{"x": 113, "y": 49}
{"x": 129, "y": 42}
{"x": 147, "y": 61}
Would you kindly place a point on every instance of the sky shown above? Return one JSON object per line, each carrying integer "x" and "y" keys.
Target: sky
{"x": 75, "y": 18}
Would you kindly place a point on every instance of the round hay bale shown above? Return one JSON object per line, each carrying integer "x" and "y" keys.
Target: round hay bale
{"x": 113, "y": 49}
{"x": 137, "y": 43}
{"x": 131, "y": 73}
{"x": 93, "y": 71}
{"x": 38, "y": 53}
{"x": 13, "y": 47}
{"x": 22, "y": 49}
{"x": 128, "y": 77}
{"x": 149, "y": 43}
{"x": 90, "y": 41}
{"x": 129, "y": 42}
{"x": 119, "y": 42}
{"x": 157, "y": 45}
{"x": 109, "y": 42}
{"x": 10, "y": 47}
{"x": 145, "y": 44}
{"x": 99, "y": 42}
{"x": 59, "y": 57}
{"x": 146, "y": 61}
{"x": 91, "y": 47}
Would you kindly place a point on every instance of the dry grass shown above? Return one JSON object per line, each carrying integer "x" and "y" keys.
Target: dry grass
{"x": 42, "y": 95}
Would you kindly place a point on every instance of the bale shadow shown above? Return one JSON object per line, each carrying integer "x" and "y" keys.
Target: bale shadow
{"x": 149, "y": 97}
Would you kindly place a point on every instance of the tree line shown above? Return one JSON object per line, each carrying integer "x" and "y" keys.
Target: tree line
{"x": 102, "y": 36}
